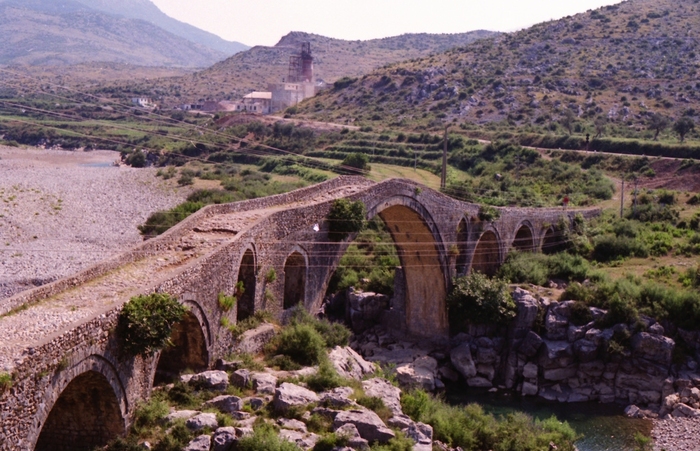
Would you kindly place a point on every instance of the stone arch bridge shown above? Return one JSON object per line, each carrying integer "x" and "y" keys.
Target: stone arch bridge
{"x": 70, "y": 382}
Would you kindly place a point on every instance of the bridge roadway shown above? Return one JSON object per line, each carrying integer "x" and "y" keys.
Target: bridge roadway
{"x": 72, "y": 384}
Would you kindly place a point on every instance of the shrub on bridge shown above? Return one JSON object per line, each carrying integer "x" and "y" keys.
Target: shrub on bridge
{"x": 478, "y": 299}
{"x": 345, "y": 217}
{"x": 146, "y": 323}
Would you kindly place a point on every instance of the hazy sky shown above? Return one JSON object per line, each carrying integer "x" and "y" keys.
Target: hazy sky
{"x": 264, "y": 22}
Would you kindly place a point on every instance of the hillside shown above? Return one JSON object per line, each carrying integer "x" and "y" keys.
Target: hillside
{"x": 333, "y": 59}
{"x": 621, "y": 63}
{"x": 41, "y": 32}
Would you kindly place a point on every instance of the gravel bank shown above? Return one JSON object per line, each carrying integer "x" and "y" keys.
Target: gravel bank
{"x": 676, "y": 434}
{"x": 61, "y": 212}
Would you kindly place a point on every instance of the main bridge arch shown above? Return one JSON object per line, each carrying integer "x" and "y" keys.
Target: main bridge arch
{"x": 423, "y": 259}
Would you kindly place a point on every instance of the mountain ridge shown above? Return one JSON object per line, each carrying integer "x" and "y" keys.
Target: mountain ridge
{"x": 36, "y": 32}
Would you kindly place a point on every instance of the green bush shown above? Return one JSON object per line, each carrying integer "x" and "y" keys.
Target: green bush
{"x": 5, "y": 381}
{"x": 265, "y": 438}
{"x": 399, "y": 443}
{"x": 376, "y": 405}
{"x": 334, "y": 334}
{"x": 472, "y": 429}
{"x": 302, "y": 343}
{"x": 146, "y": 323}
{"x": 345, "y": 217}
{"x": 331, "y": 441}
{"x": 567, "y": 267}
{"x": 620, "y": 310}
{"x": 525, "y": 267}
{"x": 226, "y": 302}
{"x": 477, "y": 299}
{"x": 357, "y": 160}
{"x": 608, "y": 248}
{"x": 177, "y": 439}
{"x": 325, "y": 379}
{"x": 149, "y": 414}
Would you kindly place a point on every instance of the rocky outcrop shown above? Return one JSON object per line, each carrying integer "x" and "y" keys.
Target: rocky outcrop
{"x": 368, "y": 424}
{"x": 290, "y": 395}
{"x": 349, "y": 364}
{"x": 210, "y": 380}
{"x": 364, "y": 310}
{"x": 253, "y": 341}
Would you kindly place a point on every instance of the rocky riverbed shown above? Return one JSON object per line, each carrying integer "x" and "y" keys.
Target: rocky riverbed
{"x": 62, "y": 211}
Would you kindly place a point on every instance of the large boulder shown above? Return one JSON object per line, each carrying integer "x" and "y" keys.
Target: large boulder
{"x": 531, "y": 344}
{"x": 201, "y": 443}
{"x": 224, "y": 438}
{"x": 420, "y": 373}
{"x": 368, "y": 424}
{"x": 422, "y": 434}
{"x": 180, "y": 415}
{"x": 303, "y": 440}
{"x": 355, "y": 440}
{"x": 556, "y": 354}
{"x": 264, "y": 383}
{"x": 382, "y": 389}
{"x": 242, "y": 378}
{"x": 211, "y": 380}
{"x": 556, "y": 321}
{"x": 349, "y": 364}
{"x": 364, "y": 310}
{"x": 226, "y": 403}
{"x": 290, "y": 395}
{"x": 527, "y": 313}
{"x": 655, "y": 348}
{"x": 338, "y": 397}
{"x": 201, "y": 421}
{"x": 585, "y": 350}
{"x": 461, "y": 358}
{"x": 253, "y": 341}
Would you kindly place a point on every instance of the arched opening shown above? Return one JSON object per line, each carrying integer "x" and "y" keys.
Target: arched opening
{"x": 246, "y": 281}
{"x": 419, "y": 253}
{"x": 554, "y": 241}
{"x": 294, "y": 280}
{"x": 188, "y": 351}
{"x": 462, "y": 245}
{"x": 487, "y": 255}
{"x": 84, "y": 417}
{"x": 524, "y": 241}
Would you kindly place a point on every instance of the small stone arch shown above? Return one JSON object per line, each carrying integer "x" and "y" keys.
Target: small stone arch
{"x": 189, "y": 351}
{"x": 487, "y": 253}
{"x": 246, "y": 276}
{"x": 524, "y": 240}
{"x": 553, "y": 241}
{"x": 86, "y": 408}
{"x": 462, "y": 264}
{"x": 295, "y": 273}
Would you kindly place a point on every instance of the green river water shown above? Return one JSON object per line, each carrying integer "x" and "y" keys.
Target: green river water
{"x": 603, "y": 426}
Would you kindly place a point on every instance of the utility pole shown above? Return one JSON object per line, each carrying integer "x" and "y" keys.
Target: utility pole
{"x": 622, "y": 197}
{"x": 443, "y": 179}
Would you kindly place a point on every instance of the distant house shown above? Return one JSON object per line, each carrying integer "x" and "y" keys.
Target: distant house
{"x": 256, "y": 102}
{"x": 143, "y": 102}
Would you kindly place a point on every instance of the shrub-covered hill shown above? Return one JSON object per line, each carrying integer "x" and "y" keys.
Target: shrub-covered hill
{"x": 622, "y": 63}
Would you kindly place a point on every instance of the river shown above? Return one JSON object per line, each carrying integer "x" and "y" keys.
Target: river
{"x": 603, "y": 426}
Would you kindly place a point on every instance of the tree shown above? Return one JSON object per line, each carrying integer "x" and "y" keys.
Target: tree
{"x": 658, "y": 123}
{"x": 600, "y": 123}
{"x": 146, "y": 323}
{"x": 683, "y": 126}
{"x": 567, "y": 121}
{"x": 345, "y": 217}
{"x": 357, "y": 160}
